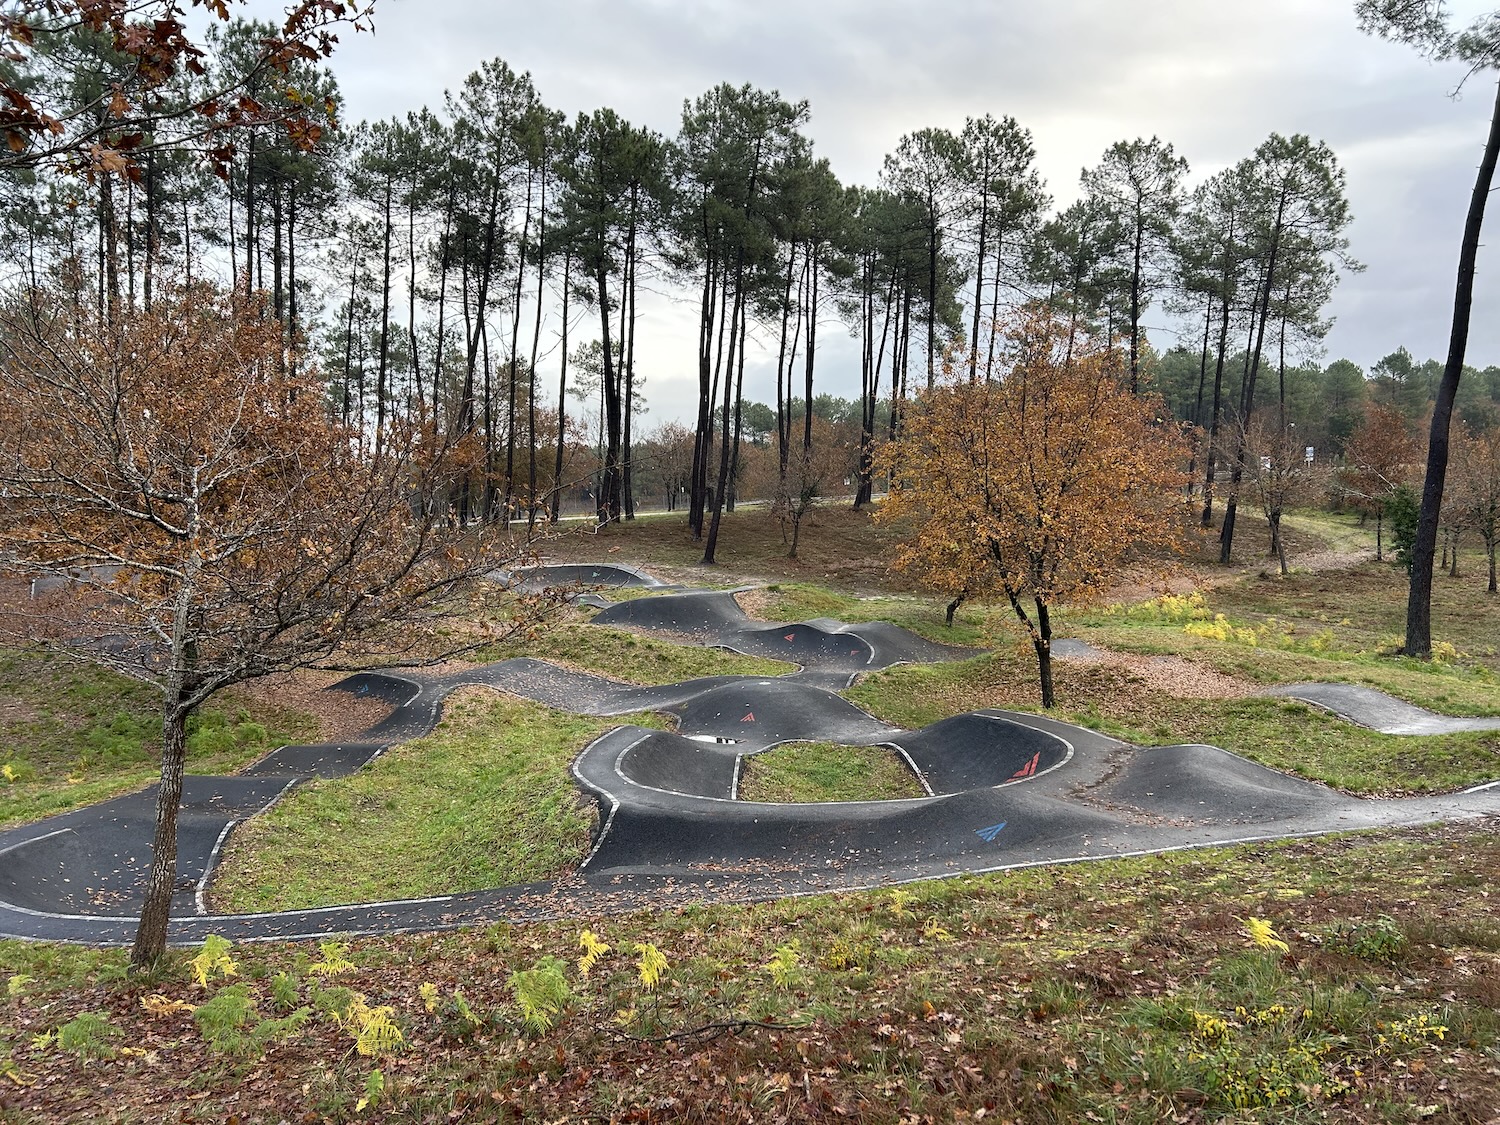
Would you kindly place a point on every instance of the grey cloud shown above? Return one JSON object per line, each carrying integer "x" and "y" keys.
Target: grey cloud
{"x": 1213, "y": 78}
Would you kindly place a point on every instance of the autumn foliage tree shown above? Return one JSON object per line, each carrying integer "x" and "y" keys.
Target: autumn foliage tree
{"x": 142, "y": 108}
{"x": 1382, "y": 454}
{"x": 203, "y": 520}
{"x": 1477, "y": 492}
{"x": 1034, "y": 480}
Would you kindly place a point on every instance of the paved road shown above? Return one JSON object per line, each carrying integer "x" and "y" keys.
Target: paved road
{"x": 1007, "y": 790}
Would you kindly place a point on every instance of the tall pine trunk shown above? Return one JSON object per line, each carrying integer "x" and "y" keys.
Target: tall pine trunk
{"x": 1419, "y": 597}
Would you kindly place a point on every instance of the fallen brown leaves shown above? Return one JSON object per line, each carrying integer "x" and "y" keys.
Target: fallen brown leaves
{"x": 1001, "y": 1019}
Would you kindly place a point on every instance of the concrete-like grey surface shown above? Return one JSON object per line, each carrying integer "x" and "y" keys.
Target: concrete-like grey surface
{"x": 1379, "y": 711}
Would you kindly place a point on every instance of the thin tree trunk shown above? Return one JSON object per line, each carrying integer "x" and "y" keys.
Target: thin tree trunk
{"x": 562, "y": 386}
{"x": 161, "y": 882}
{"x": 381, "y": 389}
{"x": 1419, "y": 598}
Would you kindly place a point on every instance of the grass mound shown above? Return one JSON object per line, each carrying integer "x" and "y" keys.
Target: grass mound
{"x": 827, "y": 771}
{"x": 484, "y": 801}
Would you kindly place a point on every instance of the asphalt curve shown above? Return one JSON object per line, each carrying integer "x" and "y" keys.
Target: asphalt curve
{"x": 1005, "y": 789}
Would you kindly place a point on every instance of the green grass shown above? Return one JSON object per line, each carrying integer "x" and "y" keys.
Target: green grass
{"x": 1123, "y": 990}
{"x": 622, "y": 655}
{"x": 977, "y": 624}
{"x": 826, "y": 771}
{"x": 1280, "y": 733}
{"x": 72, "y": 734}
{"x": 485, "y": 801}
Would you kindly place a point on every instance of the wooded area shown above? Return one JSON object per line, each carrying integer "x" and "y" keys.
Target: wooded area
{"x": 481, "y": 261}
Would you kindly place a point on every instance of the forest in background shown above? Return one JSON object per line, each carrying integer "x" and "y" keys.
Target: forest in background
{"x": 480, "y": 262}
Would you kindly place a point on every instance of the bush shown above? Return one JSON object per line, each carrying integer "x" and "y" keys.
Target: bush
{"x": 1402, "y": 511}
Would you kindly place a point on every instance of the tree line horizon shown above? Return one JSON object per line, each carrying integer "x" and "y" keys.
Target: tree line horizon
{"x": 484, "y": 259}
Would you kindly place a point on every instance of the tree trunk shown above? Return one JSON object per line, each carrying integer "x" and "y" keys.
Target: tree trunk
{"x": 161, "y": 882}
{"x": 1419, "y": 599}
{"x": 711, "y": 544}
{"x": 562, "y": 387}
{"x": 953, "y": 608}
{"x": 1041, "y": 640}
{"x": 515, "y": 344}
{"x": 381, "y": 390}
{"x": 627, "y": 318}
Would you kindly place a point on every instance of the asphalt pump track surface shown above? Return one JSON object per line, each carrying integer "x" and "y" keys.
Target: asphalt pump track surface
{"x": 1005, "y": 790}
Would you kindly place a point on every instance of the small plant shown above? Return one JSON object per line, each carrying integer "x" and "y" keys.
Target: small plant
{"x": 1378, "y": 939}
{"x": 846, "y": 955}
{"x": 223, "y": 1019}
{"x": 933, "y": 930}
{"x": 456, "y": 1016}
{"x": 335, "y": 959}
{"x": 374, "y": 1091}
{"x": 13, "y": 1073}
{"x": 651, "y": 965}
{"x": 212, "y": 961}
{"x": 541, "y": 993}
{"x": 593, "y": 949}
{"x": 783, "y": 967}
{"x": 232, "y": 1025}
{"x": 159, "y": 1006}
{"x": 1414, "y": 1031}
{"x": 284, "y": 991}
{"x": 88, "y": 1034}
{"x": 374, "y": 1030}
{"x": 16, "y": 985}
{"x": 1262, "y": 936}
{"x": 897, "y": 902}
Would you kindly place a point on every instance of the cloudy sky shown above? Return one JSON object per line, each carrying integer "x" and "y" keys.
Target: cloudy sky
{"x": 1213, "y": 77}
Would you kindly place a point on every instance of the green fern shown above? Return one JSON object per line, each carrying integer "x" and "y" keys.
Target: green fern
{"x": 88, "y": 1034}
{"x": 783, "y": 966}
{"x": 541, "y": 993}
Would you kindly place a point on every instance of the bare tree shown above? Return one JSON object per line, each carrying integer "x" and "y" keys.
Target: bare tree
{"x": 1279, "y": 474}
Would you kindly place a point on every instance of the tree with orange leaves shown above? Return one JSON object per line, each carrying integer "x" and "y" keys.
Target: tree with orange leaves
{"x": 139, "y": 109}
{"x": 1381, "y": 455}
{"x": 204, "y": 521}
{"x": 1036, "y": 480}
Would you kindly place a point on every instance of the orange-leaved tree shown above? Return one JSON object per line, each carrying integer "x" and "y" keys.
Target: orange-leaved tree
{"x": 1034, "y": 481}
{"x": 1381, "y": 455}
{"x": 201, "y": 520}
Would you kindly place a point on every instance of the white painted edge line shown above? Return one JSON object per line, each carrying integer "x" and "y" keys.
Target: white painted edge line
{"x": 920, "y": 776}
{"x": 200, "y": 892}
{"x": 34, "y": 840}
{"x": 200, "y": 901}
{"x": 1480, "y": 788}
{"x": 614, "y": 803}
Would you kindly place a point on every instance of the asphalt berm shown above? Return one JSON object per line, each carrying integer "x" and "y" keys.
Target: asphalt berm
{"x": 1006, "y": 789}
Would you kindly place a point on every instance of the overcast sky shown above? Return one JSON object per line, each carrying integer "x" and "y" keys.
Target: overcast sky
{"x": 1213, "y": 77}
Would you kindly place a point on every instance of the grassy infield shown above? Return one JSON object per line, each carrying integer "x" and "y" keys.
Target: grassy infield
{"x": 1127, "y": 990}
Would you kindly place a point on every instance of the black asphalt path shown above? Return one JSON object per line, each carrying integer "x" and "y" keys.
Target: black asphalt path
{"x": 1007, "y": 790}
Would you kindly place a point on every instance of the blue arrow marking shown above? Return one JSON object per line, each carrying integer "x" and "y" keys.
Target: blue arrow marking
{"x": 988, "y": 834}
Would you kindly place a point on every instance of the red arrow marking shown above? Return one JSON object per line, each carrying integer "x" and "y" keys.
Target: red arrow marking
{"x": 1029, "y": 768}
{"x": 790, "y": 637}
{"x": 749, "y": 717}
